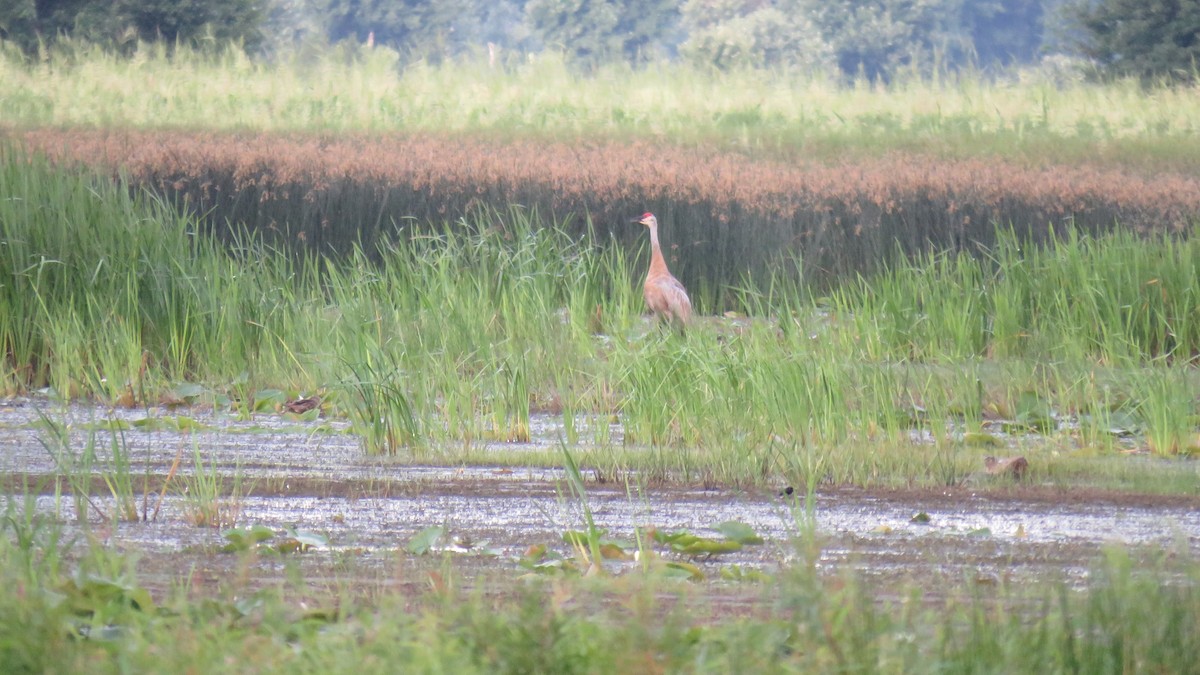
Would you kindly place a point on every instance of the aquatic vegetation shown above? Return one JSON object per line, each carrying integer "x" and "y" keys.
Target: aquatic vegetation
{"x": 1131, "y": 613}
{"x": 892, "y": 287}
{"x": 439, "y": 342}
{"x": 726, "y": 216}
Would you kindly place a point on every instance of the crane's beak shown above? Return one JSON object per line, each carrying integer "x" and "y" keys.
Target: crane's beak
{"x": 636, "y": 221}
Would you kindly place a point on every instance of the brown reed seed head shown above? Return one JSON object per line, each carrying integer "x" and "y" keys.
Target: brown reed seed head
{"x": 310, "y": 181}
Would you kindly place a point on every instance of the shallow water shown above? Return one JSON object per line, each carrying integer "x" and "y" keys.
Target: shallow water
{"x": 293, "y": 475}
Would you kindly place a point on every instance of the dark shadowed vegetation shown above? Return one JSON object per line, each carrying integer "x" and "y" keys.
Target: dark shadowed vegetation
{"x": 726, "y": 217}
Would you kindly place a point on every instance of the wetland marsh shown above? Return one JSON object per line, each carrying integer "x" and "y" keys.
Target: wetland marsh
{"x": 273, "y": 403}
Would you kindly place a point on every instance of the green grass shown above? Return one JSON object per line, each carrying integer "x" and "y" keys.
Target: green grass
{"x": 436, "y": 343}
{"x": 72, "y": 605}
{"x": 1031, "y": 116}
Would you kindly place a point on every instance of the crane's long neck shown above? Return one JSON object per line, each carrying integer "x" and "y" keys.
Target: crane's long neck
{"x": 658, "y": 265}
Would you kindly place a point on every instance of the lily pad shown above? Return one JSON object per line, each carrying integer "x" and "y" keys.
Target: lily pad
{"x": 738, "y": 531}
{"x": 1034, "y": 413}
{"x": 187, "y": 391}
{"x": 306, "y": 540}
{"x": 611, "y": 551}
{"x": 702, "y": 546}
{"x": 682, "y": 570}
{"x": 268, "y": 399}
{"x": 425, "y": 540}
{"x": 243, "y": 539}
{"x": 980, "y": 439}
{"x": 740, "y": 573}
{"x": 89, "y": 595}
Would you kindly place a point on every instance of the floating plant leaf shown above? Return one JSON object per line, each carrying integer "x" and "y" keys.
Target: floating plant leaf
{"x": 701, "y": 546}
{"x": 1034, "y": 413}
{"x": 739, "y": 532}
{"x": 90, "y": 595}
{"x": 980, "y": 439}
{"x": 682, "y": 541}
{"x": 242, "y": 539}
{"x": 739, "y": 573}
{"x": 541, "y": 559}
{"x": 682, "y": 570}
{"x": 308, "y": 540}
{"x": 579, "y": 538}
{"x": 268, "y": 399}
{"x": 322, "y": 614}
{"x": 187, "y": 391}
{"x": 920, "y": 517}
{"x": 184, "y": 423}
{"x": 534, "y": 556}
{"x": 611, "y": 551}
{"x": 425, "y": 540}
{"x": 672, "y": 537}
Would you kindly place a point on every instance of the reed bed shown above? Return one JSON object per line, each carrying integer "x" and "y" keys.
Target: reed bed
{"x": 725, "y": 216}
{"x": 434, "y": 342}
{"x": 1035, "y": 114}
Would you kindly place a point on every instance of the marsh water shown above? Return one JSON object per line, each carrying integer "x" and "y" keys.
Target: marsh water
{"x": 314, "y": 477}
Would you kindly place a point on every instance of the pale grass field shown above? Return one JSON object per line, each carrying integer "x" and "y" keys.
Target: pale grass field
{"x": 539, "y": 94}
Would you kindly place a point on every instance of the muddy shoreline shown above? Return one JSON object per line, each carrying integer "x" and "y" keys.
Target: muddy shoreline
{"x": 288, "y": 476}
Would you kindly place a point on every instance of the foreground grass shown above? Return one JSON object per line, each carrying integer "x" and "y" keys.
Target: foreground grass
{"x": 437, "y": 342}
{"x": 70, "y": 608}
{"x": 1037, "y": 116}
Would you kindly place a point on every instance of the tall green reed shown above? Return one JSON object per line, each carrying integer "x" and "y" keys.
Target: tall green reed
{"x": 459, "y": 332}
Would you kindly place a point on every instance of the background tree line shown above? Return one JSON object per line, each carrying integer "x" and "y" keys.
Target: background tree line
{"x": 1156, "y": 40}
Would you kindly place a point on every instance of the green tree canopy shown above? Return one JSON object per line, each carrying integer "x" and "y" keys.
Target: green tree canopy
{"x": 28, "y": 23}
{"x": 1148, "y": 39}
{"x": 752, "y": 33}
{"x": 878, "y": 37}
{"x": 593, "y": 32}
{"x": 1003, "y": 32}
{"x": 419, "y": 28}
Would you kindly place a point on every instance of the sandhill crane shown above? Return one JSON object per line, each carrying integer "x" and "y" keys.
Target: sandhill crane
{"x": 665, "y": 296}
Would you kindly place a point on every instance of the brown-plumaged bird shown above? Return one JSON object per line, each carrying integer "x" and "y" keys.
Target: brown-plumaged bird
{"x": 665, "y": 296}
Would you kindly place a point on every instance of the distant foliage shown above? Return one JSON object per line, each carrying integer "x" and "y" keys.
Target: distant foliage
{"x": 428, "y": 29}
{"x": 876, "y": 39}
{"x": 31, "y": 24}
{"x": 171, "y": 20}
{"x": 1007, "y": 32}
{"x": 1153, "y": 40}
{"x": 594, "y": 32}
{"x": 753, "y": 34}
